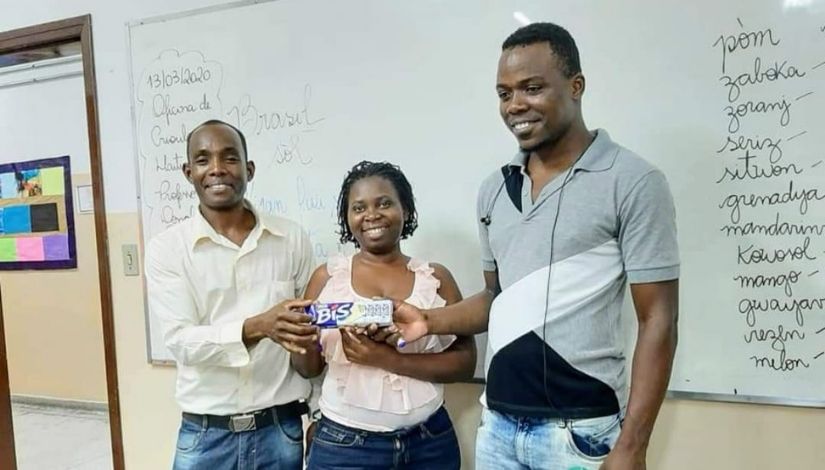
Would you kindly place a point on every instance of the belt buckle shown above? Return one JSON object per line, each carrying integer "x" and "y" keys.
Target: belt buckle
{"x": 242, "y": 423}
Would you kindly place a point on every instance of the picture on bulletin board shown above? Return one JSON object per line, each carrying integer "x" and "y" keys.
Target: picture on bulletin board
{"x": 36, "y": 215}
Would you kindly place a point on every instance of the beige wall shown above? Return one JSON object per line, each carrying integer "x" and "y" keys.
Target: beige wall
{"x": 54, "y": 337}
{"x": 711, "y": 435}
{"x": 690, "y": 435}
{"x": 693, "y": 435}
{"x": 148, "y": 410}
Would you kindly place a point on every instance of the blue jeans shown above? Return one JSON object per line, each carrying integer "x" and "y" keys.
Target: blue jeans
{"x": 278, "y": 446}
{"x": 431, "y": 445}
{"x": 506, "y": 442}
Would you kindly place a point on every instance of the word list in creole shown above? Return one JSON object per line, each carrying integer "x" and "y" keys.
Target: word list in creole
{"x": 770, "y": 177}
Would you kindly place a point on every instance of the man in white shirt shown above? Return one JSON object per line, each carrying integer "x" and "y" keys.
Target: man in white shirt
{"x": 223, "y": 284}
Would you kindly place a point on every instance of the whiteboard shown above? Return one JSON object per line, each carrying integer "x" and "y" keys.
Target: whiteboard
{"x": 724, "y": 98}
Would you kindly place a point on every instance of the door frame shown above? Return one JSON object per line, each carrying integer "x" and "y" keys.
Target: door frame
{"x": 70, "y": 30}
{"x": 7, "y": 457}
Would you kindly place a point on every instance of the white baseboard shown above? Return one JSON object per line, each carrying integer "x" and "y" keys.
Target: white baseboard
{"x": 59, "y": 402}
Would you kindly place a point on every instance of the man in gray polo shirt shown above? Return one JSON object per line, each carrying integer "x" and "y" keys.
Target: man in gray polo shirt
{"x": 564, "y": 227}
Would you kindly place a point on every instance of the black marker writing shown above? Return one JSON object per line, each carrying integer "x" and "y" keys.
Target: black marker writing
{"x": 750, "y": 307}
{"x": 734, "y": 202}
{"x": 751, "y": 255}
{"x": 159, "y": 138}
{"x": 779, "y": 280}
{"x": 746, "y": 39}
{"x": 754, "y": 143}
{"x": 751, "y": 170}
{"x": 774, "y": 229}
{"x": 777, "y": 71}
{"x": 736, "y": 113}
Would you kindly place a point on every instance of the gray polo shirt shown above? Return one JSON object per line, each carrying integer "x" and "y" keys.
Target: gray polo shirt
{"x": 615, "y": 223}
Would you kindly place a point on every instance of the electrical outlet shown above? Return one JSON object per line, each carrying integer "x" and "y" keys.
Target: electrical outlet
{"x": 130, "y": 260}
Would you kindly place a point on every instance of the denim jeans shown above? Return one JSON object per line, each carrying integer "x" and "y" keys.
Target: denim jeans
{"x": 278, "y": 446}
{"x": 506, "y": 442}
{"x": 431, "y": 445}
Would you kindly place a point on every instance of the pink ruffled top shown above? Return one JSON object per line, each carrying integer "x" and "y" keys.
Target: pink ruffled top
{"x": 367, "y": 397}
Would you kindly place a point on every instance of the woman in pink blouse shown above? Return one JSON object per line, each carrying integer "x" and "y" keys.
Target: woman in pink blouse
{"x": 381, "y": 405}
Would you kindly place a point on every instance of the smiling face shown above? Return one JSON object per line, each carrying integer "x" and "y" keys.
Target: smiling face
{"x": 537, "y": 102}
{"x": 375, "y": 215}
{"x": 217, "y": 167}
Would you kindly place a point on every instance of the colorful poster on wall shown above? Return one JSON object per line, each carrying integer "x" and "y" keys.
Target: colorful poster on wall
{"x": 36, "y": 215}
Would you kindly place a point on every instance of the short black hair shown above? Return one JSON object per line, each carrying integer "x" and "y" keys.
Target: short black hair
{"x": 389, "y": 172}
{"x": 213, "y": 122}
{"x": 559, "y": 39}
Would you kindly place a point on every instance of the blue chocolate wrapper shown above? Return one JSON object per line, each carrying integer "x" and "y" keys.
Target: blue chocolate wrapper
{"x": 360, "y": 313}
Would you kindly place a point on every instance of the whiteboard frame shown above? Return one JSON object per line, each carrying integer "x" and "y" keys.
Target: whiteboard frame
{"x": 188, "y": 13}
{"x": 747, "y": 399}
{"x": 671, "y": 394}
{"x": 138, "y": 187}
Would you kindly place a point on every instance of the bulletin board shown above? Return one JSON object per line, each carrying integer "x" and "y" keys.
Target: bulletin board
{"x": 36, "y": 215}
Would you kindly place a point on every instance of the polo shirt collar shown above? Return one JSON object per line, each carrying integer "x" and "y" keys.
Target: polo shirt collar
{"x": 599, "y": 156}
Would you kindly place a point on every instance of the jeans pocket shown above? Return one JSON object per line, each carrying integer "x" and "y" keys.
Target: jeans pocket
{"x": 438, "y": 425}
{"x": 592, "y": 439}
{"x": 336, "y": 436}
{"x": 189, "y": 436}
{"x": 484, "y": 417}
{"x": 292, "y": 429}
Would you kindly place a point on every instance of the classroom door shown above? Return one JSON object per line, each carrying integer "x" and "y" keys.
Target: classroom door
{"x": 58, "y": 364}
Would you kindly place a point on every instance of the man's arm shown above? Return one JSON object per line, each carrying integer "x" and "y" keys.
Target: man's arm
{"x": 311, "y": 363}
{"x": 470, "y": 316}
{"x": 657, "y": 307}
{"x": 171, "y": 301}
{"x": 191, "y": 343}
{"x": 452, "y": 365}
{"x": 467, "y": 317}
{"x": 287, "y": 324}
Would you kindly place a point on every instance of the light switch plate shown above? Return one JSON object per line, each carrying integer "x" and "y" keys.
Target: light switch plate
{"x": 130, "y": 260}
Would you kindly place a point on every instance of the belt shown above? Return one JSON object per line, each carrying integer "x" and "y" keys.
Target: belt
{"x": 249, "y": 421}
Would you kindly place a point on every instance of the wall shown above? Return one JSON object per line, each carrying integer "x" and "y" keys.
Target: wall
{"x": 690, "y": 435}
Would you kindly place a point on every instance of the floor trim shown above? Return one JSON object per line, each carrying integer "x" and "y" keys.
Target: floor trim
{"x": 59, "y": 402}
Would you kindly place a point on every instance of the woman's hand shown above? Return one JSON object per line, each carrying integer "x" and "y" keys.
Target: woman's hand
{"x": 360, "y": 349}
{"x": 384, "y": 334}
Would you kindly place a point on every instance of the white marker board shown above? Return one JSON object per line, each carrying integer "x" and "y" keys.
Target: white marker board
{"x": 724, "y": 97}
